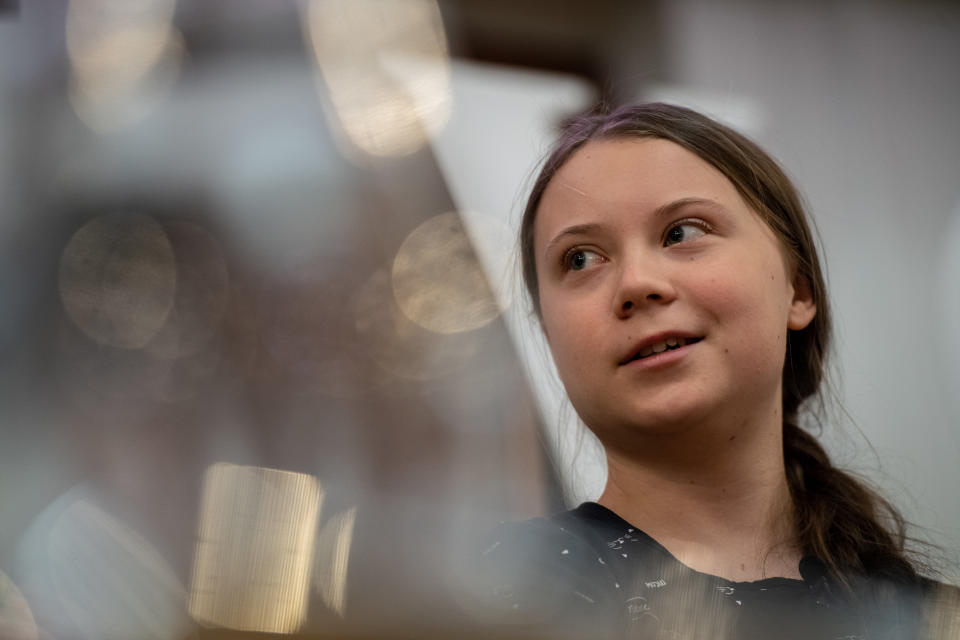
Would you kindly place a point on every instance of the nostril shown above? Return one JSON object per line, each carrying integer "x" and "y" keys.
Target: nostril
{"x": 627, "y": 305}
{"x": 654, "y": 296}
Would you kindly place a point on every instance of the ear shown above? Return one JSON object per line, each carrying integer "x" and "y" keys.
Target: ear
{"x": 802, "y": 307}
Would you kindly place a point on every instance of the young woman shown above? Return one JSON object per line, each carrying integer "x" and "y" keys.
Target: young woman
{"x": 673, "y": 272}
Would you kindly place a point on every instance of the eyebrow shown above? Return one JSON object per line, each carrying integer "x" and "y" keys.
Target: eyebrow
{"x": 575, "y": 230}
{"x": 659, "y": 212}
{"x": 670, "y": 207}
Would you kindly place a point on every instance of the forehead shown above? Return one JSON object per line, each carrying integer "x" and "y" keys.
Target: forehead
{"x": 605, "y": 177}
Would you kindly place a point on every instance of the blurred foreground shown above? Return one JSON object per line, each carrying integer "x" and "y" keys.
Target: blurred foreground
{"x": 255, "y": 376}
{"x": 265, "y": 365}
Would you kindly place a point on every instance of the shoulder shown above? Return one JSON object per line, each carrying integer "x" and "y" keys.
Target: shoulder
{"x": 552, "y": 570}
{"x": 557, "y": 555}
{"x": 587, "y": 532}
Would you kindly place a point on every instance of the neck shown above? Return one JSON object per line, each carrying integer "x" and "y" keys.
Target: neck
{"x": 720, "y": 505}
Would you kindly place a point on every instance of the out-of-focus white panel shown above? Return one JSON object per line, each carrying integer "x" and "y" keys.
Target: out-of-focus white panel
{"x": 89, "y": 575}
{"x": 503, "y": 122}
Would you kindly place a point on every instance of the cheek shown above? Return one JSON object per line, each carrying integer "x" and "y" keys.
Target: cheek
{"x": 568, "y": 331}
{"x": 560, "y": 328}
{"x": 753, "y": 302}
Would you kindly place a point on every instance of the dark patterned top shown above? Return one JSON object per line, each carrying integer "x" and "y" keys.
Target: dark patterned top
{"x": 587, "y": 573}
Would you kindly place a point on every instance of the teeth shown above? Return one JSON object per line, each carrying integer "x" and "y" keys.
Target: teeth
{"x": 672, "y": 342}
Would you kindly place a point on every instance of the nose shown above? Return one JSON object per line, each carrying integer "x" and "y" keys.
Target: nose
{"x": 643, "y": 283}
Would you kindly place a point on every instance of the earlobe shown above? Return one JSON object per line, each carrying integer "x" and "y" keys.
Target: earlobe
{"x": 802, "y": 308}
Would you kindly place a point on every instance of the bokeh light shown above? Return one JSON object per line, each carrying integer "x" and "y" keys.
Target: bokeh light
{"x": 118, "y": 279}
{"x": 332, "y": 559}
{"x": 438, "y": 281}
{"x": 399, "y": 345}
{"x": 387, "y": 70}
{"x": 152, "y": 298}
{"x": 254, "y": 549}
{"x": 201, "y": 293}
{"x": 16, "y": 619}
{"x": 124, "y": 54}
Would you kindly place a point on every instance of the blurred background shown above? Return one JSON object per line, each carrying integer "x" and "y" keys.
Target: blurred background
{"x": 266, "y": 366}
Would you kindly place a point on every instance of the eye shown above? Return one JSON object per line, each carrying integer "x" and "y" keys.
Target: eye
{"x": 684, "y": 231}
{"x": 579, "y": 259}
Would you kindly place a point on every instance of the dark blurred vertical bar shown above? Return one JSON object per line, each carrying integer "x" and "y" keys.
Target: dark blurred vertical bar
{"x": 610, "y": 43}
{"x": 9, "y": 8}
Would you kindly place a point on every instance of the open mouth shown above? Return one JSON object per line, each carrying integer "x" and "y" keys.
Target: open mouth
{"x": 665, "y": 345}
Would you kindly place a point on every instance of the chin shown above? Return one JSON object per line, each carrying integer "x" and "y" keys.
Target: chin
{"x": 650, "y": 422}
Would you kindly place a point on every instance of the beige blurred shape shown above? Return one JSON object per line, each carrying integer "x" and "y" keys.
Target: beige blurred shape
{"x": 387, "y": 70}
{"x": 254, "y": 551}
{"x": 16, "y": 619}
{"x": 118, "y": 279}
{"x": 438, "y": 281}
{"x": 333, "y": 555}
{"x": 182, "y": 354}
{"x": 201, "y": 295}
{"x": 125, "y": 55}
{"x": 399, "y": 345}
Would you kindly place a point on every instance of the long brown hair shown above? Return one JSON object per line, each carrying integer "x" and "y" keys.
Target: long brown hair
{"x": 840, "y": 520}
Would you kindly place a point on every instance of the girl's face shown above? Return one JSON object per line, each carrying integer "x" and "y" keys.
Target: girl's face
{"x": 665, "y": 299}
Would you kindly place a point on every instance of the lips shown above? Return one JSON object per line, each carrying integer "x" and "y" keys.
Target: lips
{"x": 659, "y": 344}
